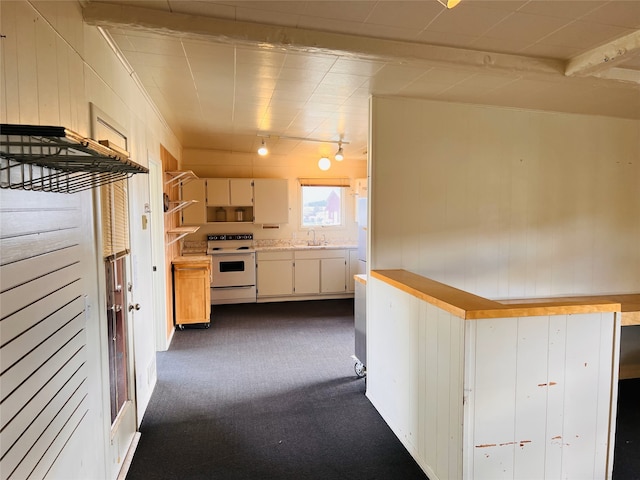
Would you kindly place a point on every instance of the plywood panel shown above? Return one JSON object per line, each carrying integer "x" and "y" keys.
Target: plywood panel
{"x": 15, "y": 274}
{"x": 43, "y": 337}
{"x": 19, "y": 316}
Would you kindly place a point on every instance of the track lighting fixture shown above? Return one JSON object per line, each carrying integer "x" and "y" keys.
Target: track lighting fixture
{"x": 324, "y": 164}
{"x": 262, "y": 151}
{"x": 339, "y": 154}
{"x": 449, "y": 3}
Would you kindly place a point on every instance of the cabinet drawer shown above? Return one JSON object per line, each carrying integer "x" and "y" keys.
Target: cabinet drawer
{"x": 330, "y": 253}
{"x": 279, "y": 255}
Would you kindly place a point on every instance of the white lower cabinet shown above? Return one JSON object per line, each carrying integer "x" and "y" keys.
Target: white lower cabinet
{"x": 274, "y": 274}
{"x": 332, "y": 274}
{"x": 304, "y": 274}
{"x": 307, "y": 276}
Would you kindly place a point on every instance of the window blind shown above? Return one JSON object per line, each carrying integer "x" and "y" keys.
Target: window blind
{"x": 324, "y": 182}
{"x": 115, "y": 219}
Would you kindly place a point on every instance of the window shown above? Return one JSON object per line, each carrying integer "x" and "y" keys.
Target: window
{"x": 321, "y": 206}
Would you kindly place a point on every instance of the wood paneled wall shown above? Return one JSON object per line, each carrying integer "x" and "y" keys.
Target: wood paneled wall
{"x": 529, "y": 397}
{"x": 506, "y": 203}
{"x": 170, "y": 164}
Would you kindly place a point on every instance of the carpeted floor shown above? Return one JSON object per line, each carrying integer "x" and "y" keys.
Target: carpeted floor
{"x": 626, "y": 463}
{"x": 268, "y": 392}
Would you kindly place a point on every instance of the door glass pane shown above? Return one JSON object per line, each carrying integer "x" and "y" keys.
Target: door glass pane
{"x": 116, "y": 318}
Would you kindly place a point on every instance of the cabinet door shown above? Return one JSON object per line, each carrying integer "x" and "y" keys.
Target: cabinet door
{"x": 271, "y": 200}
{"x": 307, "y": 276}
{"x": 332, "y": 275}
{"x": 275, "y": 277}
{"x": 192, "y": 304}
{"x": 195, "y": 214}
{"x": 218, "y": 192}
{"x": 241, "y": 192}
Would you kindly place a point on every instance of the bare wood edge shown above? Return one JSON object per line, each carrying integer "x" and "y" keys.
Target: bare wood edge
{"x": 559, "y": 308}
{"x": 417, "y": 285}
{"x": 360, "y": 278}
{"x": 630, "y": 318}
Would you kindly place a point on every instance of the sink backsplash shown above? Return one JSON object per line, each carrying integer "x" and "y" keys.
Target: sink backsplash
{"x": 284, "y": 242}
{"x": 199, "y": 248}
{"x": 194, "y": 248}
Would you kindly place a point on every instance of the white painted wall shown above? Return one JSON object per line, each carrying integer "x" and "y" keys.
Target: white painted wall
{"x": 53, "y": 67}
{"x": 506, "y": 203}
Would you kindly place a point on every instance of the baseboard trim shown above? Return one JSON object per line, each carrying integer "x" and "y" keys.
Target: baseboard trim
{"x": 127, "y": 460}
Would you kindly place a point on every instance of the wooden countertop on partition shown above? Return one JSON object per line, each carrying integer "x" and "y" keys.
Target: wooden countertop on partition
{"x": 473, "y": 307}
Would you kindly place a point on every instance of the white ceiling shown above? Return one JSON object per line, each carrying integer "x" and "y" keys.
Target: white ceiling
{"x": 223, "y": 73}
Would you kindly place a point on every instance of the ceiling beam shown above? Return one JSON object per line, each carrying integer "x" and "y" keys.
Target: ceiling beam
{"x": 605, "y": 56}
{"x": 310, "y": 41}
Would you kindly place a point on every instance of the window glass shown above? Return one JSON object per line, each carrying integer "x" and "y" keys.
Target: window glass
{"x": 321, "y": 206}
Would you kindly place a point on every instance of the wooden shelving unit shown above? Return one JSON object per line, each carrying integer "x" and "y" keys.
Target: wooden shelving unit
{"x": 181, "y": 232}
{"x": 180, "y": 176}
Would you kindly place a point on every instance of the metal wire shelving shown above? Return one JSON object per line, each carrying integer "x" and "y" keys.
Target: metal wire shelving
{"x": 56, "y": 159}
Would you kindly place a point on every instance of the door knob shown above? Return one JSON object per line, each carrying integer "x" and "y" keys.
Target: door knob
{"x": 134, "y": 307}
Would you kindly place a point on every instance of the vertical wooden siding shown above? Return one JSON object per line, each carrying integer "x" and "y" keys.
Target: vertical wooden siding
{"x": 415, "y": 376}
{"x": 169, "y": 163}
{"x": 509, "y": 398}
{"x": 540, "y": 396}
{"x": 43, "y": 398}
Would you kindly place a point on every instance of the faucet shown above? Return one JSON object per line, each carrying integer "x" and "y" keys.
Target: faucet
{"x": 311, "y": 230}
{"x": 324, "y": 240}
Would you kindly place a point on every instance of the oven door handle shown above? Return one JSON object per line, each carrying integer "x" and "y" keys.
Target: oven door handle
{"x": 236, "y": 287}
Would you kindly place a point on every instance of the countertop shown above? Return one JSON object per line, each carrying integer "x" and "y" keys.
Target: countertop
{"x": 472, "y": 307}
{"x": 329, "y": 246}
{"x": 274, "y": 248}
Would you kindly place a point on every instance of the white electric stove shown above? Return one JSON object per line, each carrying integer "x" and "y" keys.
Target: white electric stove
{"x": 234, "y": 268}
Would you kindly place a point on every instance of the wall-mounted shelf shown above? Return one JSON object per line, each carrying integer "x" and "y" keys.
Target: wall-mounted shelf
{"x": 55, "y": 159}
{"x": 181, "y": 232}
{"x": 179, "y": 205}
{"x": 179, "y": 176}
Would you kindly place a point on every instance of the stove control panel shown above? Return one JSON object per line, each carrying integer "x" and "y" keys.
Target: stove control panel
{"x": 230, "y": 236}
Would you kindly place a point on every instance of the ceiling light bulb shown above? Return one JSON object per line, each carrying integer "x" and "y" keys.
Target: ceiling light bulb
{"x": 262, "y": 151}
{"x": 339, "y": 154}
{"x": 324, "y": 163}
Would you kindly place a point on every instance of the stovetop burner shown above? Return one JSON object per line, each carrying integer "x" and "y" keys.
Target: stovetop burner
{"x": 229, "y": 242}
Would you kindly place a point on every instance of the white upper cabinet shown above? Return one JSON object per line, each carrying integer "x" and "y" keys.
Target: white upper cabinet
{"x": 229, "y": 192}
{"x": 271, "y": 200}
{"x": 218, "y": 192}
{"x": 241, "y": 191}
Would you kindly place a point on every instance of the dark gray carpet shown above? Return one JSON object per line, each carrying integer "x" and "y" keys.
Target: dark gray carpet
{"x": 626, "y": 463}
{"x": 268, "y": 392}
